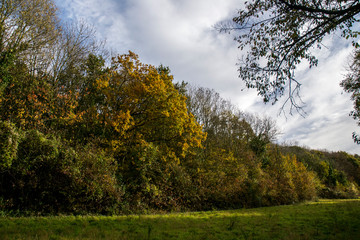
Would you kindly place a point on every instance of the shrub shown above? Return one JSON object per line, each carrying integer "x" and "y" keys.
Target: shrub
{"x": 9, "y": 138}
{"x": 94, "y": 174}
{"x": 49, "y": 177}
{"x": 288, "y": 180}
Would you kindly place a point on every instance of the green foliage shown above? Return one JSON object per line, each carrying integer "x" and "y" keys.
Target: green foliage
{"x": 338, "y": 172}
{"x": 48, "y": 177}
{"x": 96, "y": 181}
{"x": 77, "y": 104}
{"x": 9, "y": 139}
{"x": 154, "y": 183}
{"x": 258, "y": 145}
{"x": 6, "y": 63}
{"x": 220, "y": 181}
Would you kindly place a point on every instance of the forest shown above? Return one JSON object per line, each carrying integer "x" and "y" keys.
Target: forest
{"x": 85, "y": 131}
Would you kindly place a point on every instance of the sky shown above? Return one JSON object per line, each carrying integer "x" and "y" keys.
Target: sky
{"x": 181, "y": 34}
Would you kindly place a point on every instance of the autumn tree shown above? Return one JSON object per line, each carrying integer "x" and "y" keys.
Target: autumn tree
{"x": 27, "y": 100}
{"x": 287, "y": 180}
{"x": 278, "y": 34}
{"x": 135, "y": 113}
{"x": 142, "y": 105}
{"x": 43, "y": 70}
{"x": 27, "y": 30}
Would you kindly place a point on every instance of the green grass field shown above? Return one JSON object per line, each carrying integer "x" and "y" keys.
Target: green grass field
{"x": 325, "y": 219}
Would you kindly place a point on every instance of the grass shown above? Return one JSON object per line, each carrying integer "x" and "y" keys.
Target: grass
{"x": 325, "y": 219}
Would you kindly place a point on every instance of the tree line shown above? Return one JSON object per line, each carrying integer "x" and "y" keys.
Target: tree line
{"x": 78, "y": 135}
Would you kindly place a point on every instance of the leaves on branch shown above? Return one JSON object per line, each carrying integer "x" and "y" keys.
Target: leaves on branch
{"x": 278, "y": 34}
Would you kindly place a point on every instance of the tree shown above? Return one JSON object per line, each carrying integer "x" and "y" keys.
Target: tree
{"x": 279, "y": 34}
{"x": 138, "y": 105}
{"x": 144, "y": 124}
{"x": 226, "y": 126}
{"x": 351, "y": 84}
{"x": 26, "y": 100}
{"x": 42, "y": 62}
{"x": 27, "y": 28}
{"x": 287, "y": 180}
{"x": 75, "y": 43}
{"x": 264, "y": 128}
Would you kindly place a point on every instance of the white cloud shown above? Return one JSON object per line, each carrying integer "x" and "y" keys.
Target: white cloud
{"x": 179, "y": 34}
{"x": 106, "y": 16}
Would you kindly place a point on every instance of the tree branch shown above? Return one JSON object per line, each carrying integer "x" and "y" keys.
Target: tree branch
{"x": 353, "y": 7}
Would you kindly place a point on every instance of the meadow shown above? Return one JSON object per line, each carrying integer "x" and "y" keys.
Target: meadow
{"x": 323, "y": 219}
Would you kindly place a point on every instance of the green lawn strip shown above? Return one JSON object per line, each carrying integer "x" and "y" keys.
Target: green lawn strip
{"x": 326, "y": 219}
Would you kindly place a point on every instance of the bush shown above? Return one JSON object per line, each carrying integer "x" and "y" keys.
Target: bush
{"x": 288, "y": 180}
{"x": 99, "y": 190}
{"x": 9, "y": 138}
{"x": 49, "y": 177}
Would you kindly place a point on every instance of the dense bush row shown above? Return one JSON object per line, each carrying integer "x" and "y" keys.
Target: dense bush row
{"x": 40, "y": 174}
{"x": 338, "y": 172}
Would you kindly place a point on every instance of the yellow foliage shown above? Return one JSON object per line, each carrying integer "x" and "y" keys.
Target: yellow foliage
{"x": 141, "y": 106}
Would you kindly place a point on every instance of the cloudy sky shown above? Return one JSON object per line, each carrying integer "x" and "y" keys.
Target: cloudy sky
{"x": 180, "y": 34}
